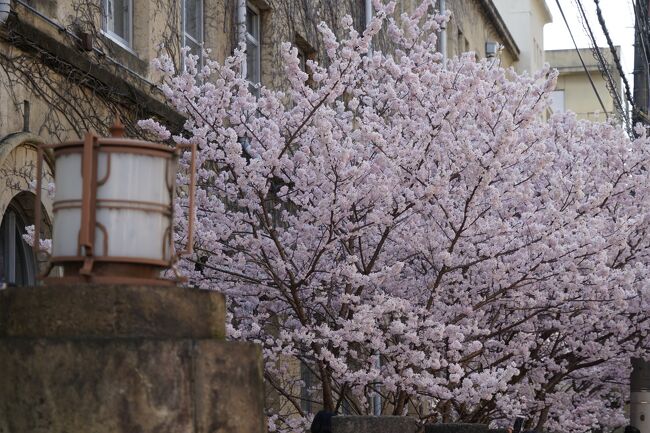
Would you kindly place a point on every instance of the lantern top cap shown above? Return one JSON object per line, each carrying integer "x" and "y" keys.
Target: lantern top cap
{"x": 117, "y": 130}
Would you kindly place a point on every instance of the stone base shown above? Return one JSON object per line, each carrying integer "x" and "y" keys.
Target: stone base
{"x": 374, "y": 424}
{"x": 89, "y": 310}
{"x": 121, "y": 366}
{"x": 456, "y": 428}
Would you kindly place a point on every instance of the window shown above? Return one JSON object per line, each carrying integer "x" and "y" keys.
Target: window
{"x": 17, "y": 266}
{"x": 193, "y": 27}
{"x": 305, "y": 53}
{"x": 118, "y": 24}
{"x": 306, "y": 390}
{"x": 375, "y": 400}
{"x": 253, "y": 53}
{"x": 557, "y": 101}
{"x": 302, "y": 58}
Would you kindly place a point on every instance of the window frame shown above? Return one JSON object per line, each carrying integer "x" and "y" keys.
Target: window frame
{"x": 302, "y": 59}
{"x": 200, "y": 25}
{"x": 15, "y": 249}
{"x": 305, "y": 53}
{"x": 256, "y": 42}
{"x": 118, "y": 39}
{"x": 554, "y": 101}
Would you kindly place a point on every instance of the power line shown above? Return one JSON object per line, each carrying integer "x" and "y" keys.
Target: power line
{"x": 593, "y": 86}
{"x": 617, "y": 60}
{"x": 604, "y": 67}
{"x": 638, "y": 30}
{"x": 641, "y": 62}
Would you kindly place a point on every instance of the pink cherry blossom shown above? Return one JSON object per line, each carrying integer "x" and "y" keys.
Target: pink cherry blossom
{"x": 418, "y": 230}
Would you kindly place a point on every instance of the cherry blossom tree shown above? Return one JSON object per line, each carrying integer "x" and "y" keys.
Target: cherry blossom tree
{"x": 418, "y": 233}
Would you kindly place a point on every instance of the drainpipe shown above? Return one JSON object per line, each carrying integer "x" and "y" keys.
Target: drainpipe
{"x": 443, "y": 32}
{"x": 368, "y": 11}
{"x": 5, "y": 8}
{"x": 241, "y": 30}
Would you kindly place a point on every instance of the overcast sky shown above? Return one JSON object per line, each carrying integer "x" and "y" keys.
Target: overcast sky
{"x": 619, "y": 19}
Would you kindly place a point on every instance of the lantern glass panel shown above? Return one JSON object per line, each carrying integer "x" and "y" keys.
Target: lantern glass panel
{"x": 132, "y": 234}
{"x": 68, "y": 176}
{"x": 65, "y": 232}
{"x": 133, "y": 177}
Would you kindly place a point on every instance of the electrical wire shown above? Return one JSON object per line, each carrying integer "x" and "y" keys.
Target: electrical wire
{"x": 593, "y": 86}
{"x": 617, "y": 60}
{"x": 639, "y": 30}
{"x": 604, "y": 68}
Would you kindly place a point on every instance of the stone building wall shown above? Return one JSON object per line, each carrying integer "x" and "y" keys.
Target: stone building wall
{"x": 472, "y": 24}
{"x": 62, "y": 75}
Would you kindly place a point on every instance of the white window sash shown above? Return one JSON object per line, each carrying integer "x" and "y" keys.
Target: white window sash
{"x": 109, "y": 23}
{"x": 189, "y": 37}
{"x": 249, "y": 37}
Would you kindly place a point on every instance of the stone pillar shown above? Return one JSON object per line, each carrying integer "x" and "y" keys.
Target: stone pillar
{"x": 118, "y": 359}
{"x": 374, "y": 424}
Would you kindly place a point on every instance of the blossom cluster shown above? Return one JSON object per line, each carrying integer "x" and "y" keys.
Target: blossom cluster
{"x": 418, "y": 229}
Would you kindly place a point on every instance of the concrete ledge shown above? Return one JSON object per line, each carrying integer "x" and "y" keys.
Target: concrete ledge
{"x": 374, "y": 424}
{"x": 130, "y": 385}
{"x": 104, "y": 311}
{"x": 456, "y": 428}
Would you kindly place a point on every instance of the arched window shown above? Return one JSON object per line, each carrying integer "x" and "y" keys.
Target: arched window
{"x": 17, "y": 265}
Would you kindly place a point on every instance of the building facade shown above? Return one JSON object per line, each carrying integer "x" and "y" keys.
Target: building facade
{"x": 574, "y": 91}
{"x": 477, "y": 26}
{"x": 69, "y": 66}
{"x": 526, "y": 20}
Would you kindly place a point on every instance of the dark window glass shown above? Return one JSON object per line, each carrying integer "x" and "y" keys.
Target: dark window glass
{"x": 16, "y": 257}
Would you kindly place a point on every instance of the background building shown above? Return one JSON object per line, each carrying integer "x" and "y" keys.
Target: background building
{"x": 526, "y": 20}
{"x": 477, "y": 25}
{"x": 574, "y": 91}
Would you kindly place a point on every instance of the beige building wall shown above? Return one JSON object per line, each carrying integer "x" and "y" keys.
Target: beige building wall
{"x": 574, "y": 91}
{"x": 473, "y": 23}
{"x": 61, "y": 75}
{"x": 526, "y": 20}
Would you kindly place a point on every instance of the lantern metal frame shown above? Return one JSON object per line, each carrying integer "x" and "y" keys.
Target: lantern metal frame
{"x": 89, "y": 265}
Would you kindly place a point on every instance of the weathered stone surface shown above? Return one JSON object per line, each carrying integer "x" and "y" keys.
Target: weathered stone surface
{"x": 456, "y": 428}
{"x": 118, "y": 311}
{"x": 374, "y": 424}
{"x": 229, "y": 390}
{"x": 130, "y": 385}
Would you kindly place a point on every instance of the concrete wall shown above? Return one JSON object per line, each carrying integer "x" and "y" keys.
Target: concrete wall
{"x": 579, "y": 95}
{"x": 525, "y": 20}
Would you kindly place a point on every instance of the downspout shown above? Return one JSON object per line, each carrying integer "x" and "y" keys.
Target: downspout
{"x": 241, "y": 31}
{"x": 443, "y": 31}
{"x": 368, "y": 12}
{"x": 5, "y": 9}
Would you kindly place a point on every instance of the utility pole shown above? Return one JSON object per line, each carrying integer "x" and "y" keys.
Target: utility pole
{"x": 641, "y": 89}
{"x": 640, "y": 378}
